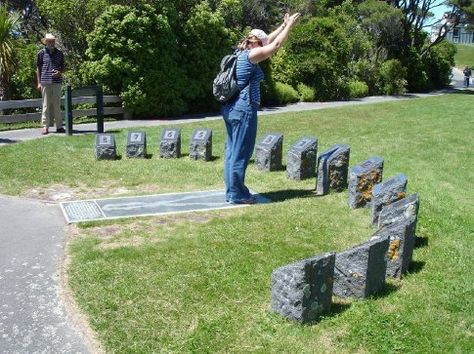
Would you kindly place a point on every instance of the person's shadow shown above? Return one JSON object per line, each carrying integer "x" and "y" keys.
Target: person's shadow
{"x": 282, "y": 195}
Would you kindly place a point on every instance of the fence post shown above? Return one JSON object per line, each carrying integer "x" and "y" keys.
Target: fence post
{"x": 100, "y": 109}
{"x": 68, "y": 109}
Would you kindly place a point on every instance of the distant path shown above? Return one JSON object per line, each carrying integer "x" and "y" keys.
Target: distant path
{"x": 15, "y": 136}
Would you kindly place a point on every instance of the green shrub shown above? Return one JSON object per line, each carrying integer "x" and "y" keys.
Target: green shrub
{"x": 204, "y": 42}
{"x": 286, "y": 93}
{"x": 133, "y": 52}
{"x": 23, "y": 81}
{"x": 392, "y": 78}
{"x": 439, "y": 63}
{"x": 306, "y": 93}
{"x": 357, "y": 89}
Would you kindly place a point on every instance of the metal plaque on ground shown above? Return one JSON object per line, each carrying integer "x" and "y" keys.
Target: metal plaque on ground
{"x": 172, "y": 203}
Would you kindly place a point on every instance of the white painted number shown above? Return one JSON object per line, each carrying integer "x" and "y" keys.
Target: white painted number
{"x": 200, "y": 135}
{"x": 269, "y": 139}
{"x": 105, "y": 140}
{"x": 135, "y": 137}
{"x": 302, "y": 143}
{"x": 170, "y": 134}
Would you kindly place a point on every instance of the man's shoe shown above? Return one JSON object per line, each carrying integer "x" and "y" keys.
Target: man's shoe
{"x": 45, "y": 131}
{"x": 60, "y": 130}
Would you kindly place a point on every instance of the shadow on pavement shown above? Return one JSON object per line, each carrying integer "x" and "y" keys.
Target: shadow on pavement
{"x": 7, "y": 141}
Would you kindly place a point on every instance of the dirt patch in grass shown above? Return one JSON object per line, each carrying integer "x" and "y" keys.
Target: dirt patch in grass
{"x": 62, "y": 193}
{"x": 140, "y": 231}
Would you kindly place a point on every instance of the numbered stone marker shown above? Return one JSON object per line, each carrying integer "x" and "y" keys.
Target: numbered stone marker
{"x": 400, "y": 249}
{"x": 136, "y": 144}
{"x": 302, "y": 159}
{"x": 386, "y": 193}
{"x": 200, "y": 146}
{"x": 105, "y": 148}
{"x": 333, "y": 166}
{"x": 360, "y": 271}
{"x": 362, "y": 180}
{"x": 268, "y": 153}
{"x": 170, "y": 143}
{"x": 302, "y": 291}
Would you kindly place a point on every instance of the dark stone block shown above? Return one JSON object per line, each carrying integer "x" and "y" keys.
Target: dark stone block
{"x": 105, "y": 148}
{"x": 200, "y": 146}
{"x": 302, "y": 291}
{"x": 360, "y": 271}
{"x": 400, "y": 249}
{"x": 302, "y": 159}
{"x": 268, "y": 153}
{"x": 333, "y": 166}
{"x": 136, "y": 144}
{"x": 386, "y": 193}
{"x": 399, "y": 211}
{"x": 170, "y": 143}
{"x": 362, "y": 180}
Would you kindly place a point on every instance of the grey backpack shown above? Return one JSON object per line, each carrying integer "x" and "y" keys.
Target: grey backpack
{"x": 224, "y": 86}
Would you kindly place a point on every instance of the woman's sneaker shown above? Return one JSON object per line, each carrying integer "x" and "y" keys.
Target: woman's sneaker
{"x": 250, "y": 200}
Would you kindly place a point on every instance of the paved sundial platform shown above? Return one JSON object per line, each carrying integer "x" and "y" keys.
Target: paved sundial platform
{"x": 158, "y": 204}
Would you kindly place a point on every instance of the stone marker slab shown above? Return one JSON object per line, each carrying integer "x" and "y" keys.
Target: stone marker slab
{"x": 301, "y": 162}
{"x": 302, "y": 291}
{"x": 362, "y": 179}
{"x": 172, "y": 203}
{"x": 333, "y": 166}
{"x": 268, "y": 152}
{"x": 200, "y": 145}
{"x": 170, "y": 143}
{"x": 360, "y": 271}
{"x": 136, "y": 144}
{"x": 386, "y": 193}
{"x": 400, "y": 249}
{"x": 399, "y": 211}
{"x": 105, "y": 148}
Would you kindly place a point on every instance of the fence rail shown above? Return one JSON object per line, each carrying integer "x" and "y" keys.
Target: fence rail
{"x": 37, "y": 103}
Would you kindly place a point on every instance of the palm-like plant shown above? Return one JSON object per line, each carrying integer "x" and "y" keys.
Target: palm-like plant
{"x": 9, "y": 22}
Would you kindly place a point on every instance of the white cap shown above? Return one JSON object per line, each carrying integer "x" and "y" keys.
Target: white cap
{"x": 49, "y": 36}
{"x": 260, "y": 35}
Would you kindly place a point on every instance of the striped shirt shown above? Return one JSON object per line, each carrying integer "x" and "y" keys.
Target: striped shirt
{"x": 247, "y": 71}
{"x": 46, "y": 62}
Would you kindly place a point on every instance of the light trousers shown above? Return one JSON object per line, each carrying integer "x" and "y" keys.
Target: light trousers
{"x": 51, "y": 94}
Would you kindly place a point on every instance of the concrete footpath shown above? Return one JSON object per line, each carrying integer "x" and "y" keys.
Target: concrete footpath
{"x": 33, "y": 316}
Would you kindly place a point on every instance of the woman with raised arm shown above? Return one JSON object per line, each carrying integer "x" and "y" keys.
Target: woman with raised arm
{"x": 240, "y": 114}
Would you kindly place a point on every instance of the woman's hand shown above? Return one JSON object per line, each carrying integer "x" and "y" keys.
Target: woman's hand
{"x": 291, "y": 20}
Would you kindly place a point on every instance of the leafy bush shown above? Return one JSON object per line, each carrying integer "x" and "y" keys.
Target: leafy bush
{"x": 317, "y": 54}
{"x": 23, "y": 81}
{"x": 306, "y": 93}
{"x": 357, "y": 89}
{"x": 439, "y": 63}
{"x": 134, "y": 52}
{"x": 205, "y": 40}
{"x": 416, "y": 75}
{"x": 392, "y": 78}
{"x": 286, "y": 93}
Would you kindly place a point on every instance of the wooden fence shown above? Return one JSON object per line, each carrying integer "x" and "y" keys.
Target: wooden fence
{"x": 36, "y": 103}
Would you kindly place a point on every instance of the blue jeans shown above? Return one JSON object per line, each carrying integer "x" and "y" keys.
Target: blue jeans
{"x": 241, "y": 134}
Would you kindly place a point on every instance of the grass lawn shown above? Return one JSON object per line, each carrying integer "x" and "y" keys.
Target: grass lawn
{"x": 201, "y": 282}
{"x": 464, "y": 56}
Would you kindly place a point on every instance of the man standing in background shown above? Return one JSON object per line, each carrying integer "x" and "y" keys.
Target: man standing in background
{"x": 49, "y": 69}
